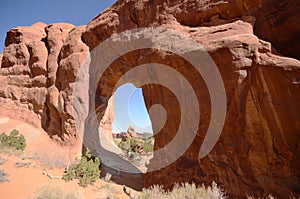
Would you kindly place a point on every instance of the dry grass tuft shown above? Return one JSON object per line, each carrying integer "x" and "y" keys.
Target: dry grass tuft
{"x": 48, "y": 192}
{"x": 190, "y": 191}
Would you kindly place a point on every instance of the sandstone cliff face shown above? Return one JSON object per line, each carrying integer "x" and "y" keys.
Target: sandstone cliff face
{"x": 37, "y": 70}
{"x": 23, "y": 72}
{"x": 277, "y": 21}
{"x": 258, "y": 151}
{"x": 39, "y": 65}
{"x": 107, "y": 119}
{"x": 259, "y": 148}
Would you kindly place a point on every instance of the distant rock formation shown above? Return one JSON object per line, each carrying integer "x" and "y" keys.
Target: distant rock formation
{"x": 259, "y": 148}
{"x": 131, "y": 133}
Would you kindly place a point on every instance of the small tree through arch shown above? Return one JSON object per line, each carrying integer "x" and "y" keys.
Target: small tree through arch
{"x": 132, "y": 128}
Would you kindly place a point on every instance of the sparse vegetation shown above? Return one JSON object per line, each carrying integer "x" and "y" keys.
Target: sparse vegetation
{"x": 13, "y": 141}
{"x": 189, "y": 191}
{"x": 3, "y": 176}
{"x": 47, "y": 192}
{"x": 137, "y": 150}
{"x": 136, "y": 145}
{"x": 129, "y": 145}
{"x": 268, "y": 197}
{"x": 22, "y": 164}
{"x": 2, "y": 161}
{"x": 147, "y": 145}
{"x": 87, "y": 170}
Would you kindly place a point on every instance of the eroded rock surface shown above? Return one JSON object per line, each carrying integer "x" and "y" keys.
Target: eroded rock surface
{"x": 38, "y": 68}
{"x": 258, "y": 151}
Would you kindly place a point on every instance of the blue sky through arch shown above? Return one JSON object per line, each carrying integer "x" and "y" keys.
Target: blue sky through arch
{"x": 130, "y": 110}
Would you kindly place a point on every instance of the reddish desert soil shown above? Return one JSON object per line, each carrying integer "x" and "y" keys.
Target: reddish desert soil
{"x": 43, "y": 154}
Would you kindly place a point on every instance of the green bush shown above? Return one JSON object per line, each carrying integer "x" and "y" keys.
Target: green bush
{"x": 87, "y": 170}
{"x": 134, "y": 145}
{"x": 147, "y": 145}
{"x": 14, "y": 140}
{"x": 130, "y": 145}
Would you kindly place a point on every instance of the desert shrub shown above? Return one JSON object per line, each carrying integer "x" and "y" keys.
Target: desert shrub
{"x": 268, "y": 197}
{"x": 86, "y": 170}
{"x": 3, "y": 176}
{"x": 14, "y": 140}
{"x": 129, "y": 145}
{"x": 47, "y": 192}
{"x": 134, "y": 145}
{"x": 188, "y": 191}
{"x": 147, "y": 145}
{"x": 2, "y": 160}
{"x": 22, "y": 164}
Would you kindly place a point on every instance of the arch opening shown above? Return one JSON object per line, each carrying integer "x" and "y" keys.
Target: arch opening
{"x": 131, "y": 127}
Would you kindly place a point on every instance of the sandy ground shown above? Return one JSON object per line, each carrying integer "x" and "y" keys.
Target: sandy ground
{"x": 43, "y": 154}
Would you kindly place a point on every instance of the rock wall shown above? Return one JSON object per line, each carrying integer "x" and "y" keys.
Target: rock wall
{"x": 258, "y": 151}
{"x": 107, "y": 119}
{"x": 278, "y": 23}
{"x": 259, "y": 148}
{"x": 38, "y": 67}
{"x": 23, "y": 72}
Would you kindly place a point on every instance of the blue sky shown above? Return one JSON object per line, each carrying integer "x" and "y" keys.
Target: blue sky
{"x": 15, "y": 13}
{"x": 129, "y": 109}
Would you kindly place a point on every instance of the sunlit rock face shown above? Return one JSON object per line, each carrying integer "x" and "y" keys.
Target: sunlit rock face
{"x": 258, "y": 151}
{"x": 38, "y": 69}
